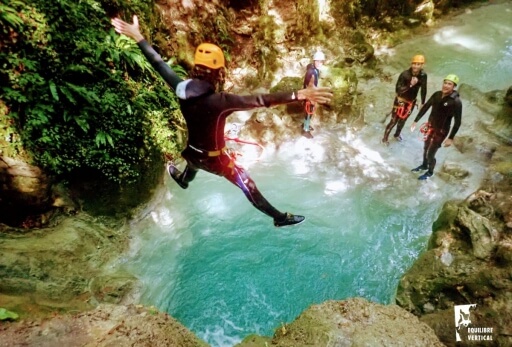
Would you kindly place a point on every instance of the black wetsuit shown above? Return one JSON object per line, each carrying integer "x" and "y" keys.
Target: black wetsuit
{"x": 405, "y": 100}
{"x": 205, "y": 113}
{"x": 444, "y": 109}
{"x": 312, "y": 74}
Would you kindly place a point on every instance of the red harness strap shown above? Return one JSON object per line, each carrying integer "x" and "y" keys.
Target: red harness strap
{"x": 404, "y": 109}
{"x": 425, "y": 130}
{"x": 310, "y": 108}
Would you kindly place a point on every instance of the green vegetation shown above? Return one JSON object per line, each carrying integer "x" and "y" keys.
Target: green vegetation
{"x": 75, "y": 95}
{"x": 7, "y": 315}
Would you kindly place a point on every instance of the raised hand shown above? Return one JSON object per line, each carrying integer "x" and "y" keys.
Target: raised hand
{"x": 321, "y": 95}
{"x": 130, "y": 30}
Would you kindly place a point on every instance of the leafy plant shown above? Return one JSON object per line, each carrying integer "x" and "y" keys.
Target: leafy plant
{"x": 7, "y": 315}
{"x": 79, "y": 97}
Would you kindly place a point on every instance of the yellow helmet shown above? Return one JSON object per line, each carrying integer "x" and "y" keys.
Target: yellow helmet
{"x": 209, "y": 55}
{"x": 418, "y": 59}
{"x": 453, "y": 78}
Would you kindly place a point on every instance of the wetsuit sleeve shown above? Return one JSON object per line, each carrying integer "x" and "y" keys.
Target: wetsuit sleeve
{"x": 424, "y": 88}
{"x": 234, "y": 102}
{"x": 402, "y": 84}
{"x": 424, "y": 109}
{"x": 308, "y": 77}
{"x": 457, "y": 116}
{"x": 159, "y": 65}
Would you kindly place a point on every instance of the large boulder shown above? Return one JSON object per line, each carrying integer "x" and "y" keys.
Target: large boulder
{"x": 107, "y": 325}
{"x": 351, "y": 322}
{"x": 467, "y": 262}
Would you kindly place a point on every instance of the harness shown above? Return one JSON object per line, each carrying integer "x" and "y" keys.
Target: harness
{"x": 208, "y": 153}
{"x": 404, "y": 108}
{"x": 232, "y": 135}
{"x": 425, "y": 130}
{"x": 309, "y": 107}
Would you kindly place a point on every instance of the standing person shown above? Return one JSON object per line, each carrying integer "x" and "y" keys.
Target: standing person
{"x": 446, "y": 105}
{"x": 311, "y": 80}
{"x": 205, "y": 111}
{"x": 407, "y": 87}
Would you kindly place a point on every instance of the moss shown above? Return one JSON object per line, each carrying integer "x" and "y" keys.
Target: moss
{"x": 266, "y": 54}
{"x": 504, "y": 168}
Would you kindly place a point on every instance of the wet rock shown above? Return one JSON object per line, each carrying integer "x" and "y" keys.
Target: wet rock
{"x": 352, "y": 322}
{"x": 468, "y": 261}
{"x": 107, "y": 325}
{"x": 52, "y": 268}
{"x": 508, "y": 96}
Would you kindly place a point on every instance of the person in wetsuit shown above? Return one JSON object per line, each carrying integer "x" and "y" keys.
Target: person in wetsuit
{"x": 205, "y": 111}
{"x": 446, "y": 105}
{"x": 311, "y": 79}
{"x": 407, "y": 87}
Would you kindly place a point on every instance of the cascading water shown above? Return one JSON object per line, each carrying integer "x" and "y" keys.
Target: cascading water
{"x": 219, "y": 266}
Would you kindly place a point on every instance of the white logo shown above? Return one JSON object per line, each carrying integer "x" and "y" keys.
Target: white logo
{"x": 463, "y": 324}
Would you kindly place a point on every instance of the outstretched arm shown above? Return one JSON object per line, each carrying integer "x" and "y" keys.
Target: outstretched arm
{"x": 423, "y": 110}
{"x": 319, "y": 95}
{"x": 130, "y": 30}
{"x": 133, "y": 32}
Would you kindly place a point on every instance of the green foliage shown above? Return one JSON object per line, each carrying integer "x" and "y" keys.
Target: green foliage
{"x": 7, "y": 315}
{"x": 266, "y": 52}
{"x": 78, "y": 95}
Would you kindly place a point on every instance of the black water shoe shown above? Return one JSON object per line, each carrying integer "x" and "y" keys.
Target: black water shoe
{"x": 425, "y": 176}
{"x": 175, "y": 174}
{"x": 398, "y": 138}
{"x": 289, "y": 219}
{"x": 419, "y": 168}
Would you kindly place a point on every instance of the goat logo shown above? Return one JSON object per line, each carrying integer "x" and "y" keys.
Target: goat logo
{"x": 462, "y": 313}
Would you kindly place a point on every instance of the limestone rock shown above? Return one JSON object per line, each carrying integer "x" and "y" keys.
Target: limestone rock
{"x": 352, "y": 322}
{"x": 107, "y": 325}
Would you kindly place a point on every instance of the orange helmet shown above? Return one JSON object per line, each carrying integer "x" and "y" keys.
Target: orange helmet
{"x": 418, "y": 59}
{"x": 209, "y": 55}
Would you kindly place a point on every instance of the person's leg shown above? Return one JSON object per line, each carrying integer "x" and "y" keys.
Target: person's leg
{"x": 424, "y": 164}
{"x": 399, "y": 125}
{"x": 307, "y": 120}
{"x": 389, "y": 127}
{"x": 429, "y": 155}
{"x": 182, "y": 178}
{"x": 239, "y": 177}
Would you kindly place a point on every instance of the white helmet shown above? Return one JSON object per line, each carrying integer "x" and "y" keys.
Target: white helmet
{"x": 319, "y": 55}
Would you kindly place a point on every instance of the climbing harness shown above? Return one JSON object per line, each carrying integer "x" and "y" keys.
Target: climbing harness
{"x": 309, "y": 107}
{"x": 232, "y": 135}
{"x": 425, "y": 130}
{"x": 403, "y": 109}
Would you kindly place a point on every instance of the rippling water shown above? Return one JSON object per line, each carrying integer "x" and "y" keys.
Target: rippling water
{"x": 219, "y": 266}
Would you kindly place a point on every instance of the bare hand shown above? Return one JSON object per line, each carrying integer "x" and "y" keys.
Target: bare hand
{"x": 130, "y": 30}
{"x": 321, "y": 95}
{"x": 414, "y": 80}
{"x": 448, "y": 142}
{"x": 413, "y": 126}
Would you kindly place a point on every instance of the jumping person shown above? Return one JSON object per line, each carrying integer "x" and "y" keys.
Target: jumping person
{"x": 311, "y": 80}
{"x": 407, "y": 87}
{"x": 205, "y": 110}
{"x": 446, "y": 105}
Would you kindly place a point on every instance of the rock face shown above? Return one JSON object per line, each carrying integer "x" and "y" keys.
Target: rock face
{"x": 107, "y": 325}
{"x": 62, "y": 267}
{"x": 353, "y": 322}
{"x": 468, "y": 262}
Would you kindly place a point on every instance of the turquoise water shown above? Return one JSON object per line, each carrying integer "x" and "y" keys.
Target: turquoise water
{"x": 219, "y": 266}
